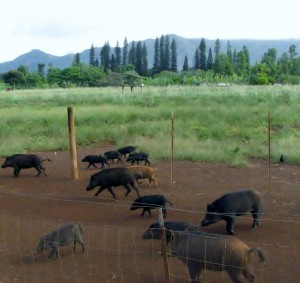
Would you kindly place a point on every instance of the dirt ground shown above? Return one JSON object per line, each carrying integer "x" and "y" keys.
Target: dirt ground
{"x": 115, "y": 251}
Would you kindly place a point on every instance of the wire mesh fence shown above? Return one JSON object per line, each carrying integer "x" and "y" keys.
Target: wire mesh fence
{"x": 120, "y": 254}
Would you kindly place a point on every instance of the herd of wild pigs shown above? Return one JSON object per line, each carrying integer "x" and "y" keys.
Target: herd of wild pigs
{"x": 198, "y": 250}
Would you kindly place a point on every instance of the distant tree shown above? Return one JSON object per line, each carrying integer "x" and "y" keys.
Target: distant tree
{"x": 173, "y": 66}
{"x": 197, "y": 59}
{"x": 185, "y": 64}
{"x": 41, "y": 70}
{"x": 217, "y": 48}
{"x": 97, "y": 63}
{"x": 241, "y": 66}
{"x": 162, "y": 53}
{"x": 210, "y": 60}
{"x": 92, "y": 55}
{"x": 202, "y": 55}
{"x": 14, "y": 78}
{"x": 118, "y": 55}
{"x": 132, "y": 54}
{"x": 246, "y": 52}
{"x": 76, "y": 60}
{"x": 156, "y": 58}
{"x": 125, "y": 53}
{"x": 54, "y": 75}
{"x": 229, "y": 51}
{"x": 241, "y": 62}
{"x": 292, "y": 51}
{"x": 167, "y": 54}
{"x": 223, "y": 66}
{"x": 113, "y": 64}
{"x": 105, "y": 56}
{"x": 144, "y": 60}
{"x": 139, "y": 59}
{"x": 270, "y": 60}
{"x": 259, "y": 74}
{"x": 23, "y": 69}
{"x": 284, "y": 64}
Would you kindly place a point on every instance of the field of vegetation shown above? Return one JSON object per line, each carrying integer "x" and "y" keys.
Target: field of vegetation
{"x": 211, "y": 123}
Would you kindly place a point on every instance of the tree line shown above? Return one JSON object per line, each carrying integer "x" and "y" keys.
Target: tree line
{"x": 129, "y": 66}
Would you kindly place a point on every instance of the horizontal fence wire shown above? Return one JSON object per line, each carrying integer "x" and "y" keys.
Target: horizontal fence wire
{"x": 118, "y": 253}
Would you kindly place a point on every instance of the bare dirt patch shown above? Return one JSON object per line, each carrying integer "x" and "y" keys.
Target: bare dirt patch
{"x": 115, "y": 251}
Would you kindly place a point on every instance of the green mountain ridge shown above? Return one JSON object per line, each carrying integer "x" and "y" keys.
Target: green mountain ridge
{"x": 185, "y": 47}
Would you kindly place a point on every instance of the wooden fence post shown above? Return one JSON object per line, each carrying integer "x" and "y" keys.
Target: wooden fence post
{"x": 269, "y": 151}
{"x": 72, "y": 142}
{"x": 172, "y": 146}
{"x": 164, "y": 247}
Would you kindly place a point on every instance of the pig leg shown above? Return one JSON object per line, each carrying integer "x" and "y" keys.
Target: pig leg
{"x": 101, "y": 189}
{"x": 128, "y": 189}
{"x": 194, "y": 270}
{"x": 16, "y": 171}
{"x": 112, "y": 192}
{"x": 249, "y": 276}
{"x": 81, "y": 243}
{"x": 229, "y": 224}
{"x": 235, "y": 275}
{"x": 256, "y": 215}
{"x": 43, "y": 169}
{"x": 135, "y": 188}
{"x": 54, "y": 251}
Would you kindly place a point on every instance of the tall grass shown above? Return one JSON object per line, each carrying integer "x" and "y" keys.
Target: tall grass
{"x": 215, "y": 124}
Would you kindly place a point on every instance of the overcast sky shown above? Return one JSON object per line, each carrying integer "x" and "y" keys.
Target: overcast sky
{"x": 59, "y": 27}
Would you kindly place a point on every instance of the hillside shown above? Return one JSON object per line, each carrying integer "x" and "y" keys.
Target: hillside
{"x": 185, "y": 47}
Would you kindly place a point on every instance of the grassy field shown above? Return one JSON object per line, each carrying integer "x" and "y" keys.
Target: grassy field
{"x": 211, "y": 124}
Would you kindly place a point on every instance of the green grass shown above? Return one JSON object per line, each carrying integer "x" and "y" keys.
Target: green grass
{"x": 211, "y": 124}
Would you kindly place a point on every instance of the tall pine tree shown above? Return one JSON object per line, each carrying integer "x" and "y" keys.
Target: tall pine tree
{"x": 162, "y": 53}
{"x": 139, "y": 59}
{"x": 185, "y": 66}
{"x": 144, "y": 60}
{"x": 118, "y": 55}
{"x": 210, "y": 60}
{"x": 202, "y": 61}
{"x": 167, "y": 54}
{"x": 173, "y": 67}
{"x": 132, "y": 54}
{"x": 197, "y": 59}
{"x": 156, "y": 58}
{"x": 92, "y": 56}
{"x": 104, "y": 56}
{"x": 125, "y": 53}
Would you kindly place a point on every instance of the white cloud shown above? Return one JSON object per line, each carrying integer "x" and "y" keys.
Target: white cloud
{"x": 62, "y": 26}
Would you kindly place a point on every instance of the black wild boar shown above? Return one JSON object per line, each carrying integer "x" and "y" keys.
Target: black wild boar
{"x": 63, "y": 236}
{"x": 234, "y": 204}
{"x": 127, "y": 150}
{"x": 113, "y": 177}
{"x": 154, "y": 230}
{"x": 200, "y": 251}
{"x": 93, "y": 159}
{"x": 24, "y": 161}
{"x": 112, "y": 155}
{"x": 151, "y": 202}
{"x": 137, "y": 157}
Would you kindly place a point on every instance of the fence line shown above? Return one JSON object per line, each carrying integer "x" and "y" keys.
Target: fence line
{"x": 127, "y": 204}
{"x": 113, "y": 254}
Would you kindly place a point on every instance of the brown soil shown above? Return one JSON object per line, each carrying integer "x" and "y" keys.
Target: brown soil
{"x": 115, "y": 251}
